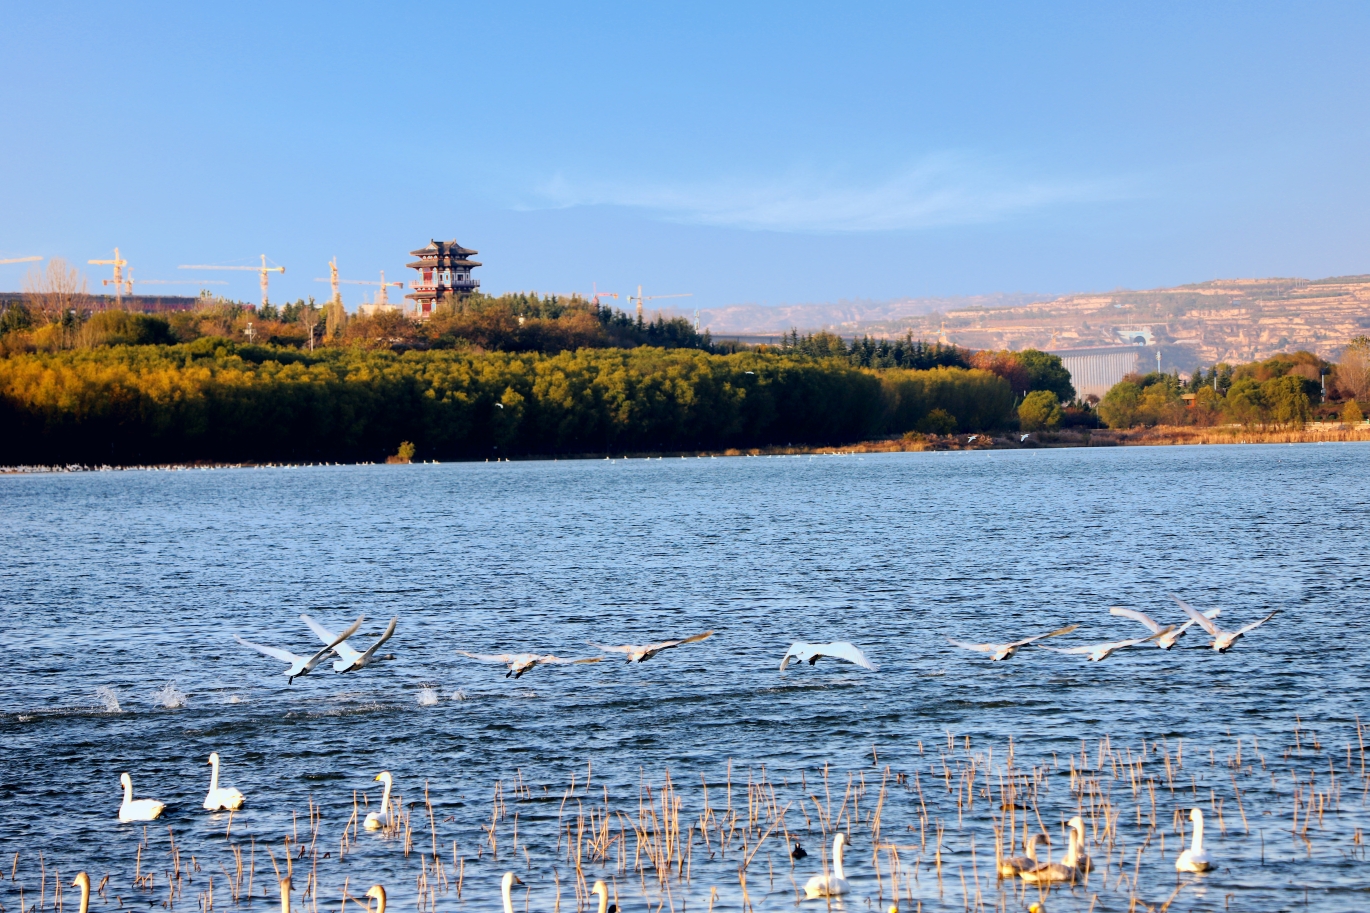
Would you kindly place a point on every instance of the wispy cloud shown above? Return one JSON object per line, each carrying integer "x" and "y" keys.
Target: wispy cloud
{"x": 940, "y": 190}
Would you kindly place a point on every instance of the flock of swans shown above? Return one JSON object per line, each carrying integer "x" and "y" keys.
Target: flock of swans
{"x": 1164, "y": 637}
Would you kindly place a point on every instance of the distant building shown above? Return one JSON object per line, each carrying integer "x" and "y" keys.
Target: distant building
{"x": 1095, "y": 370}
{"x": 1137, "y": 336}
{"x": 444, "y": 269}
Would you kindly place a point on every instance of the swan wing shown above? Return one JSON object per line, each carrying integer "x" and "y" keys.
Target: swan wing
{"x": 1135, "y": 616}
{"x": 981, "y": 648}
{"x": 389, "y": 632}
{"x": 1088, "y": 649}
{"x": 549, "y": 658}
{"x": 850, "y": 652}
{"x": 502, "y": 658}
{"x": 1204, "y": 620}
{"x": 1059, "y": 631}
{"x": 318, "y": 657}
{"x": 345, "y": 653}
{"x": 625, "y": 648}
{"x": 798, "y": 651}
{"x": 1255, "y": 624}
{"x": 668, "y": 644}
{"x": 284, "y": 656}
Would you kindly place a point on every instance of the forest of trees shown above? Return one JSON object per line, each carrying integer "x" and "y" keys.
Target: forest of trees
{"x": 1286, "y": 390}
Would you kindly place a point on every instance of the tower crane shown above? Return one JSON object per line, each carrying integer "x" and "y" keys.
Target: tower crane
{"x": 20, "y": 260}
{"x": 381, "y": 296}
{"x": 639, "y": 299}
{"x": 597, "y": 294}
{"x": 263, "y": 269}
{"x": 118, "y": 281}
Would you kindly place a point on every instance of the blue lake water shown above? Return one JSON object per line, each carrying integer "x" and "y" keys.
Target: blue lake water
{"x": 132, "y": 583}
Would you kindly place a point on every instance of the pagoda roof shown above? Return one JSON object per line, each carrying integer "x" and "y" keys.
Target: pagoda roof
{"x": 441, "y": 248}
{"x": 450, "y": 263}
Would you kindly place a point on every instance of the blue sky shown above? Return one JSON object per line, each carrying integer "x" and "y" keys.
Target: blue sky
{"x": 745, "y": 153}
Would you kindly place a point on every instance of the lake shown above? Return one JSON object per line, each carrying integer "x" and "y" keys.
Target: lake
{"x": 122, "y": 591}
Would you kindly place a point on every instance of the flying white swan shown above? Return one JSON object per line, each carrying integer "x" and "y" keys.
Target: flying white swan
{"x": 1222, "y": 640}
{"x": 1166, "y": 641}
{"x": 801, "y": 652}
{"x": 1014, "y": 865}
{"x": 376, "y": 820}
{"x": 1100, "y": 652}
{"x": 643, "y": 652}
{"x": 83, "y": 882}
{"x": 834, "y": 884}
{"x": 505, "y": 886}
{"x": 520, "y": 663}
{"x": 1005, "y": 651}
{"x": 1194, "y": 859}
{"x": 1056, "y": 872}
{"x": 377, "y": 893}
{"x": 137, "y": 809}
{"x": 349, "y": 660}
{"x": 301, "y": 665}
{"x": 218, "y": 799}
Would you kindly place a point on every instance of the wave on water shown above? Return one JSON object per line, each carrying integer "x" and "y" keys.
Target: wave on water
{"x": 428, "y": 697}
{"x": 108, "y": 699}
{"x": 169, "y": 697}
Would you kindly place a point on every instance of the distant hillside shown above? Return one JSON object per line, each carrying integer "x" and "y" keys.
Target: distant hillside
{"x": 1232, "y": 320}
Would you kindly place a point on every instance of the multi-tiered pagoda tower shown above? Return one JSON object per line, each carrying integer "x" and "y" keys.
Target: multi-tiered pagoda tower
{"x": 444, "y": 269}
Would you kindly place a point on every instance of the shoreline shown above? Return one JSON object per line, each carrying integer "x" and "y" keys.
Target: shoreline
{"x": 1159, "y": 436}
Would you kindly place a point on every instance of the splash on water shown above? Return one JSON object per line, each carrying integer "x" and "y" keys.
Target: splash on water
{"x": 428, "y": 697}
{"x": 458, "y": 695}
{"x": 234, "y": 699}
{"x": 108, "y": 699}
{"x": 169, "y": 697}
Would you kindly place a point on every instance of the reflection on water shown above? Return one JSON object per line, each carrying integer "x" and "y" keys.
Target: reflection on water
{"x": 133, "y": 583}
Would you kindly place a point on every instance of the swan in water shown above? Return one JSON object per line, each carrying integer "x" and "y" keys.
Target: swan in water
{"x": 1014, "y": 865}
{"x": 640, "y": 653}
{"x": 505, "y": 886}
{"x": 83, "y": 882}
{"x": 137, "y": 809}
{"x": 1055, "y": 872}
{"x": 377, "y": 893}
{"x": 1165, "y": 641}
{"x": 1222, "y": 640}
{"x": 801, "y": 652}
{"x": 301, "y": 665}
{"x": 349, "y": 660}
{"x": 376, "y": 820}
{"x": 1100, "y": 652}
{"x": 1082, "y": 860}
{"x": 834, "y": 884}
{"x": 602, "y": 890}
{"x": 520, "y": 663}
{"x": 218, "y": 799}
{"x": 1194, "y": 859}
{"x": 1006, "y": 651}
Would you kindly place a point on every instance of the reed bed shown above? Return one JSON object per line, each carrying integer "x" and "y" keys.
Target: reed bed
{"x": 928, "y": 823}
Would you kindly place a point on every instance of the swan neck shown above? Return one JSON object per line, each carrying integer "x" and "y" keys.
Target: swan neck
{"x": 508, "y": 901}
{"x": 385, "y": 798}
{"x": 1197, "y": 844}
{"x": 837, "y": 860}
{"x": 213, "y": 774}
{"x": 1072, "y": 851}
{"x": 128, "y": 791}
{"x": 380, "y": 904}
{"x": 603, "y": 901}
{"x": 85, "y": 896}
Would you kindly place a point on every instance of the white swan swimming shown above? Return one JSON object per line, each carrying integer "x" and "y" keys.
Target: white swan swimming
{"x": 349, "y": 660}
{"x": 377, "y": 893}
{"x": 506, "y": 885}
{"x": 1222, "y": 640}
{"x": 1194, "y": 859}
{"x": 834, "y": 884}
{"x": 1082, "y": 860}
{"x": 1100, "y": 652}
{"x": 1056, "y": 872}
{"x": 1006, "y": 651}
{"x": 640, "y": 653}
{"x": 301, "y": 665}
{"x": 226, "y": 798}
{"x": 602, "y": 890}
{"x": 810, "y": 653}
{"x": 520, "y": 663}
{"x": 1166, "y": 640}
{"x": 376, "y": 820}
{"x": 1014, "y": 865}
{"x": 137, "y": 809}
{"x": 83, "y": 882}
